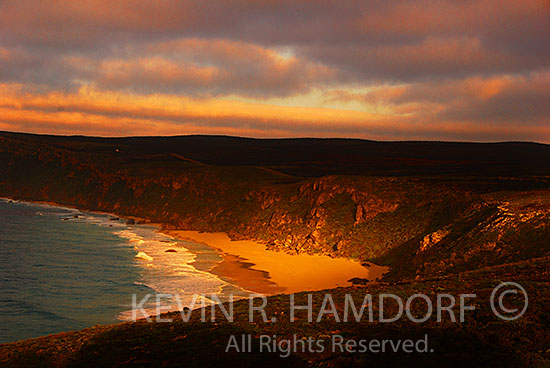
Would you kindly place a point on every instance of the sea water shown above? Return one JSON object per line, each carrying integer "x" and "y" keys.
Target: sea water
{"x": 62, "y": 269}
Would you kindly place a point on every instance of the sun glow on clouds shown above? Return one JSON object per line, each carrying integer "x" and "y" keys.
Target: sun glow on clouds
{"x": 400, "y": 70}
{"x": 161, "y": 112}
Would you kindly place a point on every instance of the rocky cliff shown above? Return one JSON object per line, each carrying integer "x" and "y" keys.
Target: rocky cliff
{"x": 419, "y": 225}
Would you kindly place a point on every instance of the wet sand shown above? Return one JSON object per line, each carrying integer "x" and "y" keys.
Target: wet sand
{"x": 251, "y": 266}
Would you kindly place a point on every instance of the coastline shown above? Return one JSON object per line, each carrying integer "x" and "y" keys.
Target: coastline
{"x": 138, "y": 220}
{"x": 249, "y": 265}
{"x": 292, "y": 273}
{"x": 231, "y": 269}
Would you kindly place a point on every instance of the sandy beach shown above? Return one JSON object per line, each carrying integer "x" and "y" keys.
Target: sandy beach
{"x": 249, "y": 265}
{"x": 254, "y": 268}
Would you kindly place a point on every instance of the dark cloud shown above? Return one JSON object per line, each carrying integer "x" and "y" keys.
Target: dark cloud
{"x": 440, "y": 62}
{"x": 521, "y": 101}
{"x": 502, "y": 101}
{"x": 214, "y": 67}
{"x": 372, "y": 40}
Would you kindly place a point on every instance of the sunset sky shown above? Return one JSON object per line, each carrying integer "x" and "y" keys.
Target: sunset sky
{"x": 475, "y": 70}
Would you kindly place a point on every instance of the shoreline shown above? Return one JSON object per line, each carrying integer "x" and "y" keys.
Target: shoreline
{"x": 256, "y": 282}
{"x": 249, "y": 265}
{"x": 292, "y": 273}
{"x": 138, "y": 220}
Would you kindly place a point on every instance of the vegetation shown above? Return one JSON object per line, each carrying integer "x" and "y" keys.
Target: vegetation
{"x": 482, "y": 340}
{"x": 444, "y": 216}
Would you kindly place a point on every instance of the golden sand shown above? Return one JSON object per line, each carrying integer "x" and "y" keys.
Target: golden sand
{"x": 254, "y": 268}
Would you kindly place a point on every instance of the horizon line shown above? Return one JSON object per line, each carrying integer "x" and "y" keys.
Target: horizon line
{"x": 270, "y": 138}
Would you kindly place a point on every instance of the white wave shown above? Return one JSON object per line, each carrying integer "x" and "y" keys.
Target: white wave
{"x": 169, "y": 272}
{"x": 144, "y": 256}
{"x": 102, "y": 220}
{"x": 131, "y": 236}
{"x": 164, "y": 272}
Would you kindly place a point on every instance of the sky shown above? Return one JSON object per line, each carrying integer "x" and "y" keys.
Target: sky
{"x": 468, "y": 70}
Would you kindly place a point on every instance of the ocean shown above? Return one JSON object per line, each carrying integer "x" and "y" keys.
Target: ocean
{"x": 62, "y": 269}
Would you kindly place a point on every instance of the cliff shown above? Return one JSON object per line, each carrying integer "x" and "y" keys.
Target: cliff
{"x": 428, "y": 223}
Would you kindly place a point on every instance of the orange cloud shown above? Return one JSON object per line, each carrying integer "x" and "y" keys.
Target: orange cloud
{"x": 201, "y": 67}
{"x": 113, "y": 107}
{"x": 153, "y": 70}
{"x": 91, "y": 111}
{"x": 397, "y": 70}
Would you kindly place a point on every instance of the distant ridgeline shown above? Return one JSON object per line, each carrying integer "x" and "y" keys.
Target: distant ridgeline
{"x": 423, "y": 208}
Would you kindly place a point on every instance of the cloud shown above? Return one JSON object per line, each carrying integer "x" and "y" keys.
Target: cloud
{"x": 212, "y": 67}
{"x": 187, "y": 66}
{"x": 401, "y": 40}
{"x": 91, "y": 111}
{"x": 436, "y": 69}
{"x": 503, "y": 102}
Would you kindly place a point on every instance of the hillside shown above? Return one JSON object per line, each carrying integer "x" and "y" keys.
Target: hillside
{"x": 314, "y": 157}
{"x": 448, "y": 218}
{"x": 482, "y": 340}
{"x": 423, "y": 208}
